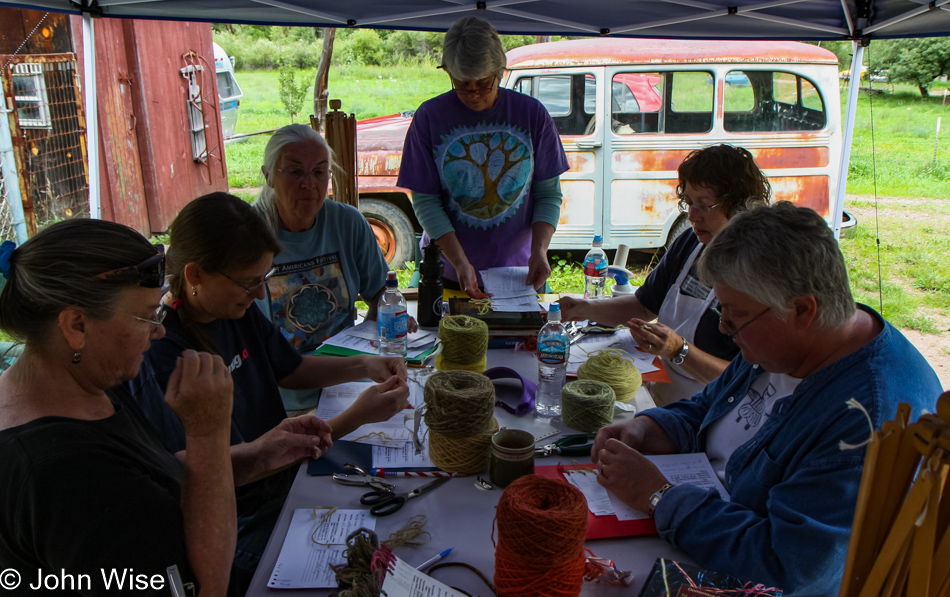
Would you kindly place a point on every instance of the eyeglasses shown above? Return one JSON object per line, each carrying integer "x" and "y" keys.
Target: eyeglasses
{"x": 296, "y": 174}
{"x": 157, "y": 318}
{"x": 698, "y": 208}
{"x": 250, "y": 289}
{"x": 733, "y": 332}
{"x": 148, "y": 274}
{"x": 482, "y": 90}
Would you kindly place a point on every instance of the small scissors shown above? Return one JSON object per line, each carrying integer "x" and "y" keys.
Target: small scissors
{"x": 579, "y": 444}
{"x": 384, "y": 503}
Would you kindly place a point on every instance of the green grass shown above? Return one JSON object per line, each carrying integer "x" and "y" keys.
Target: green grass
{"x": 365, "y": 91}
{"x": 914, "y": 261}
{"x": 915, "y": 247}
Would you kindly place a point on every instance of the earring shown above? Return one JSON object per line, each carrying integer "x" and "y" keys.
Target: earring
{"x": 194, "y": 291}
{"x": 77, "y": 357}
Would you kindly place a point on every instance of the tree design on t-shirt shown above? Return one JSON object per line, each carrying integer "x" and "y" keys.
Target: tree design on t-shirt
{"x": 487, "y": 173}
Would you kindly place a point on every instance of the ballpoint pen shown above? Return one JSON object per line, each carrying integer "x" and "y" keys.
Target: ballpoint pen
{"x": 434, "y": 559}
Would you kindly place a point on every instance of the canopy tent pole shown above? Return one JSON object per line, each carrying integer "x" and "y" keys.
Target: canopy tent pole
{"x": 854, "y": 88}
{"x": 92, "y": 120}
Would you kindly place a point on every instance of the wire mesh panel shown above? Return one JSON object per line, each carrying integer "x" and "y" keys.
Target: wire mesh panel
{"x": 49, "y": 137}
{"x": 7, "y": 232}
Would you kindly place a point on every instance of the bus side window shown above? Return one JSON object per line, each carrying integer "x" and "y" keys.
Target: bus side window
{"x": 773, "y": 101}
{"x": 639, "y": 104}
{"x": 569, "y": 99}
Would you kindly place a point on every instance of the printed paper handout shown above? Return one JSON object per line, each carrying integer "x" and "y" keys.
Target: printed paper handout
{"x": 402, "y": 580}
{"x": 315, "y": 540}
{"x": 679, "y": 469}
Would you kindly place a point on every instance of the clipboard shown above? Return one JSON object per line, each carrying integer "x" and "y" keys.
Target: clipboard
{"x": 600, "y": 527}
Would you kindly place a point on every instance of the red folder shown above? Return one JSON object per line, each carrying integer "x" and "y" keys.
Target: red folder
{"x": 600, "y": 527}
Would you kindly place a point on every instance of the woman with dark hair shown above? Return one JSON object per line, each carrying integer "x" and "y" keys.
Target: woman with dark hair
{"x": 715, "y": 183}
{"x": 88, "y": 487}
{"x": 221, "y": 254}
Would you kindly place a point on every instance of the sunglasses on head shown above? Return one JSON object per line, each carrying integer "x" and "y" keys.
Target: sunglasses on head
{"x": 148, "y": 274}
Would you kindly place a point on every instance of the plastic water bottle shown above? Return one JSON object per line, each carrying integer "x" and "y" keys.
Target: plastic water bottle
{"x": 595, "y": 271}
{"x": 393, "y": 319}
{"x": 553, "y": 350}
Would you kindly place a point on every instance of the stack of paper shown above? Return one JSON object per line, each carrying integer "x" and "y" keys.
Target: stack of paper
{"x": 391, "y": 439}
{"x": 362, "y": 338}
{"x": 509, "y": 292}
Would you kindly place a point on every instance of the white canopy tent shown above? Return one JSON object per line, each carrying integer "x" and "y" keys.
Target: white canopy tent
{"x": 856, "y": 21}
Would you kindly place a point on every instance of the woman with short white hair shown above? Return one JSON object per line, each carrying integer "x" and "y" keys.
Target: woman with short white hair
{"x": 483, "y": 164}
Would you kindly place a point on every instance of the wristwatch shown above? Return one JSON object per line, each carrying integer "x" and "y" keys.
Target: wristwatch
{"x": 655, "y": 498}
{"x": 678, "y": 359}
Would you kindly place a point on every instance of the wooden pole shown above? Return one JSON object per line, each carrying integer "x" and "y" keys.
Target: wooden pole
{"x": 322, "y": 79}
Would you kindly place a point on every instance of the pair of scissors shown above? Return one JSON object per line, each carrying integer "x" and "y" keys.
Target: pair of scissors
{"x": 579, "y": 444}
{"x": 384, "y": 503}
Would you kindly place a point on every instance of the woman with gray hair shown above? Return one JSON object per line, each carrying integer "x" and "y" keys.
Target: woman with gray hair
{"x": 329, "y": 253}
{"x": 715, "y": 183}
{"x": 483, "y": 164}
{"x": 785, "y": 424}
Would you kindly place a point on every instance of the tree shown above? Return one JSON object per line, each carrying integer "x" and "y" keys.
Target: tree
{"x": 292, "y": 94}
{"x": 917, "y": 61}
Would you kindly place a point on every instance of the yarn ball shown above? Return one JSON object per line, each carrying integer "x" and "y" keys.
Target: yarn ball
{"x": 610, "y": 367}
{"x": 460, "y": 408}
{"x": 464, "y": 343}
{"x": 587, "y": 405}
{"x": 540, "y": 550}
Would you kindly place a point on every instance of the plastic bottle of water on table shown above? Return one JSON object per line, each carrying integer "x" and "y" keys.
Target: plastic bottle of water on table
{"x": 393, "y": 319}
{"x": 553, "y": 351}
{"x": 595, "y": 271}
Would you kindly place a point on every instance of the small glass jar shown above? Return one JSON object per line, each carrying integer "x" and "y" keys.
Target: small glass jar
{"x": 512, "y": 456}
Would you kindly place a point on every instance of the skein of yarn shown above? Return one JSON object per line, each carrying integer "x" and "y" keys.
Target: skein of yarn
{"x": 540, "y": 549}
{"x": 464, "y": 344}
{"x": 587, "y": 405}
{"x": 610, "y": 367}
{"x": 460, "y": 408}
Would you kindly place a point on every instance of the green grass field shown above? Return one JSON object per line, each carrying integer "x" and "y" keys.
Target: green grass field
{"x": 915, "y": 242}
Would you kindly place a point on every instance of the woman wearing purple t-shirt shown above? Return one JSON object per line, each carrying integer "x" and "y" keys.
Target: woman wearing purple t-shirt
{"x": 483, "y": 164}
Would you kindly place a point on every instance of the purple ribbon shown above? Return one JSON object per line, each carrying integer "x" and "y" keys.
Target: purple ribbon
{"x": 529, "y": 388}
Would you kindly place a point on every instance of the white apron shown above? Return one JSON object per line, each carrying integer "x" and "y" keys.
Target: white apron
{"x": 681, "y": 313}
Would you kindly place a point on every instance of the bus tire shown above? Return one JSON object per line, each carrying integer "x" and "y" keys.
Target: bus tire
{"x": 393, "y": 230}
{"x": 679, "y": 227}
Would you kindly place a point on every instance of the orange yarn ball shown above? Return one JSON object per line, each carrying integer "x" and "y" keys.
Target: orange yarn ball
{"x": 541, "y": 529}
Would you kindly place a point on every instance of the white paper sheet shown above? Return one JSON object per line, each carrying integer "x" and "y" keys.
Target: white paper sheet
{"x": 363, "y": 337}
{"x": 679, "y": 469}
{"x": 588, "y": 344}
{"x": 311, "y": 546}
{"x": 507, "y": 282}
{"x": 405, "y": 581}
{"x": 404, "y": 457}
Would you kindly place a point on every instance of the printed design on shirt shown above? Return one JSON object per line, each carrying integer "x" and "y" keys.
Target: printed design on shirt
{"x": 487, "y": 171}
{"x": 310, "y": 299}
{"x": 754, "y": 409}
{"x": 238, "y": 360}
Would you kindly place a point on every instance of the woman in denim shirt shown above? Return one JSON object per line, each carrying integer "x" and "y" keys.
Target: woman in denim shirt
{"x": 778, "y": 423}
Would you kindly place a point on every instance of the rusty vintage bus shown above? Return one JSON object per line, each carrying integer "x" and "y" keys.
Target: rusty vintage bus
{"x": 628, "y": 111}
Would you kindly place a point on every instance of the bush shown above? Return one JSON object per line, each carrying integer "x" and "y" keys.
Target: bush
{"x": 359, "y": 47}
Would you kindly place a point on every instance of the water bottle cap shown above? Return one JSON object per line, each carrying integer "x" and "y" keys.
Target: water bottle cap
{"x": 598, "y": 238}
{"x": 554, "y": 308}
{"x": 391, "y": 280}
